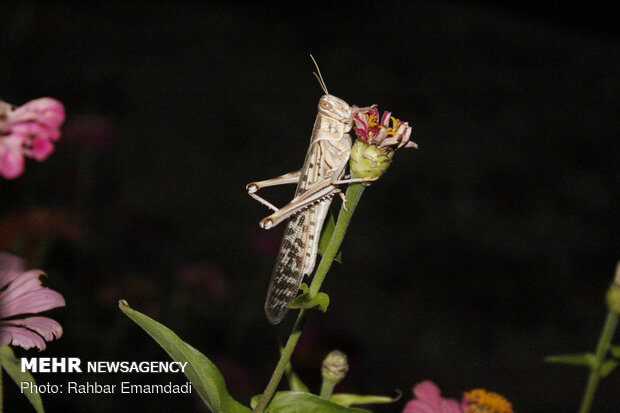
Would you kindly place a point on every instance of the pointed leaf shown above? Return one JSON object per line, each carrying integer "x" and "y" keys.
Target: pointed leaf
{"x": 320, "y": 301}
{"x": 294, "y": 382}
{"x": 607, "y": 367}
{"x": 346, "y": 399}
{"x": 580, "y": 359}
{"x": 615, "y": 351}
{"x": 297, "y": 402}
{"x": 203, "y": 374}
{"x": 326, "y": 236}
{"x": 12, "y": 365}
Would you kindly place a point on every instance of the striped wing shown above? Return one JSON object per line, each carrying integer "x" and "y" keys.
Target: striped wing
{"x": 298, "y": 250}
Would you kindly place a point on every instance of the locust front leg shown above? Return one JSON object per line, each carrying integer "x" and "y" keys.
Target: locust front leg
{"x": 253, "y": 187}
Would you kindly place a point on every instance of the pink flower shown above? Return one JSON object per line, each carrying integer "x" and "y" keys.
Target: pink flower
{"x": 387, "y": 133}
{"x": 428, "y": 400}
{"x": 28, "y": 130}
{"x": 21, "y": 293}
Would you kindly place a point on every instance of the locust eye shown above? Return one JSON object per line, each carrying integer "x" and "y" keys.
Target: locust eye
{"x": 325, "y": 105}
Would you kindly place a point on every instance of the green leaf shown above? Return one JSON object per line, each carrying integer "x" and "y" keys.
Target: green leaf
{"x": 346, "y": 399}
{"x": 203, "y": 374}
{"x": 12, "y": 365}
{"x": 326, "y": 236}
{"x": 303, "y": 300}
{"x": 607, "y": 367}
{"x": 297, "y": 402}
{"x": 580, "y": 359}
{"x": 615, "y": 351}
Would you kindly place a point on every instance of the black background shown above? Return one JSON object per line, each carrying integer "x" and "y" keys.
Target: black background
{"x": 475, "y": 257}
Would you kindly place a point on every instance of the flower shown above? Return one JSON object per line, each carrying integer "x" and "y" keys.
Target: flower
{"x": 482, "y": 401}
{"x": 335, "y": 367}
{"x": 388, "y": 133}
{"x": 429, "y": 400}
{"x": 21, "y": 293}
{"x": 28, "y": 130}
{"x": 372, "y": 152}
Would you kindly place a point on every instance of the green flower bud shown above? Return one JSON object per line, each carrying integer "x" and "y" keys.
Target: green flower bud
{"x": 335, "y": 367}
{"x": 613, "y": 299}
{"x": 613, "y": 294}
{"x": 369, "y": 161}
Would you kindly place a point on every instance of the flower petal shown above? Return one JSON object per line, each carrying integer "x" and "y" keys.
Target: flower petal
{"x": 448, "y": 406}
{"x": 385, "y": 120}
{"x": 11, "y": 157}
{"x": 406, "y": 136}
{"x": 39, "y": 149}
{"x": 383, "y": 133}
{"x": 20, "y": 336}
{"x": 392, "y": 140}
{"x": 29, "y": 130}
{"x": 47, "y": 111}
{"x": 25, "y": 295}
{"x": 428, "y": 392}
{"x": 417, "y": 406}
{"x": 374, "y": 111}
{"x": 11, "y": 267}
{"x": 44, "y": 326}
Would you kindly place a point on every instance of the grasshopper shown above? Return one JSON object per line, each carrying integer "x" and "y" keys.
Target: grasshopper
{"x": 317, "y": 182}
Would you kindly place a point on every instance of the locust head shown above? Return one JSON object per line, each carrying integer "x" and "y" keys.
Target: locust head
{"x": 330, "y": 106}
{"x": 335, "y": 108}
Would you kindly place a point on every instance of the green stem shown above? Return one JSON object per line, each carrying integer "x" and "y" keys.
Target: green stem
{"x": 1, "y": 390}
{"x": 601, "y": 351}
{"x": 327, "y": 388}
{"x": 353, "y": 195}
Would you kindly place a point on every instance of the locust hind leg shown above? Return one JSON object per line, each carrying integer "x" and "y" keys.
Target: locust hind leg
{"x": 315, "y": 193}
{"x": 253, "y": 187}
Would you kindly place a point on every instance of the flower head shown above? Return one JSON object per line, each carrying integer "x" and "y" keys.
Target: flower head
{"x": 378, "y": 138}
{"x": 387, "y": 133}
{"x": 21, "y": 293}
{"x": 28, "y": 130}
{"x": 482, "y": 401}
{"x": 428, "y": 400}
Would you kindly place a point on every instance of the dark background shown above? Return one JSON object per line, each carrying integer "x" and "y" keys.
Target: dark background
{"x": 470, "y": 261}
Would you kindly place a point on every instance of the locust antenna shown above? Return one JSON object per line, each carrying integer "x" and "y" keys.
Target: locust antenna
{"x": 319, "y": 77}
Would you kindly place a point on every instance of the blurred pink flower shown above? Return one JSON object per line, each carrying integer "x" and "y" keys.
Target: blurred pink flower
{"x": 28, "y": 130}
{"x": 428, "y": 400}
{"x": 205, "y": 277}
{"x": 21, "y": 293}
{"x": 92, "y": 129}
{"x": 27, "y": 227}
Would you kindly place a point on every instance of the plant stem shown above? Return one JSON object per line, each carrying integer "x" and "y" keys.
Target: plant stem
{"x": 327, "y": 389}
{"x": 353, "y": 195}
{"x": 285, "y": 357}
{"x": 601, "y": 351}
{"x": 1, "y": 389}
